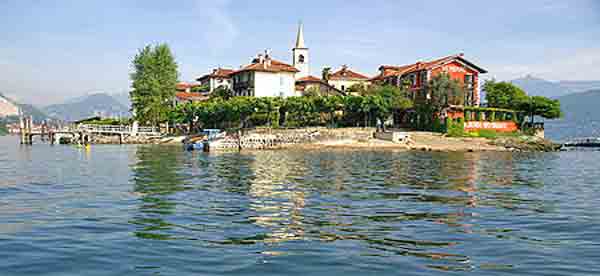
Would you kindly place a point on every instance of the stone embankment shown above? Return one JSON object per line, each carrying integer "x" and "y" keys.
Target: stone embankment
{"x": 526, "y": 143}
{"x": 116, "y": 139}
{"x": 360, "y": 138}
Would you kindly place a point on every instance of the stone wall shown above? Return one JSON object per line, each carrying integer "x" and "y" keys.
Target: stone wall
{"x": 264, "y": 138}
{"x": 116, "y": 139}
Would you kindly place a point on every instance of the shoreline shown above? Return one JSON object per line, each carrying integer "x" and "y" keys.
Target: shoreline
{"x": 363, "y": 139}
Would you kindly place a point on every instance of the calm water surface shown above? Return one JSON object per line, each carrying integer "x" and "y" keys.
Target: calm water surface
{"x": 152, "y": 210}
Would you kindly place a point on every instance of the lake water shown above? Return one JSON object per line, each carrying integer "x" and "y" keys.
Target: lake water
{"x": 156, "y": 210}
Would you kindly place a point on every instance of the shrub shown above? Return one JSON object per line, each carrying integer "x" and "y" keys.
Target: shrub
{"x": 455, "y": 129}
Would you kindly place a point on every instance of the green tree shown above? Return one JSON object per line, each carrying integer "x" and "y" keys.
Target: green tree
{"x": 360, "y": 89}
{"x": 543, "y": 107}
{"x": 504, "y": 95}
{"x": 154, "y": 79}
{"x": 223, "y": 93}
{"x": 312, "y": 92}
{"x": 325, "y": 74}
{"x": 442, "y": 91}
{"x": 3, "y": 128}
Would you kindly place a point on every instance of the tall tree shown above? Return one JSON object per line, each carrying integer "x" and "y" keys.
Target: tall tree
{"x": 504, "y": 95}
{"x": 154, "y": 79}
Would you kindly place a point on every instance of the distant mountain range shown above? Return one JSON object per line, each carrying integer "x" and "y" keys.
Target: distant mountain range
{"x": 581, "y": 117}
{"x": 122, "y": 98}
{"x": 99, "y": 104}
{"x": 9, "y": 109}
{"x": 540, "y": 87}
{"x": 581, "y": 106}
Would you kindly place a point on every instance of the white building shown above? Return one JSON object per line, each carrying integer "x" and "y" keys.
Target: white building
{"x": 265, "y": 77}
{"x": 219, "y": 77}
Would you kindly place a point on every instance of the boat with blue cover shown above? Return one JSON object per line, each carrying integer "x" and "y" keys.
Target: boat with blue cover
{"x": 200, "y": 140}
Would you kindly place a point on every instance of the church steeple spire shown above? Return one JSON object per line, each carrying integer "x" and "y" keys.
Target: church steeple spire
{"x": 300, "y": 54}
{"x": 300, "y": 37}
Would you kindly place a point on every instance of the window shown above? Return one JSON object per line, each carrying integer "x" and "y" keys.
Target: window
{"x": 469, "y": 90}
{"x": 343, "y": 88}
{"x": 469, "y": 81}
{"x": 301, "y": 58}
{"x": 423, "y": 78}
{"x": 413, "y": 80}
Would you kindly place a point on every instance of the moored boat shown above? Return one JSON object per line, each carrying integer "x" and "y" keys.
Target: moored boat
{"x": 201, "y": 140}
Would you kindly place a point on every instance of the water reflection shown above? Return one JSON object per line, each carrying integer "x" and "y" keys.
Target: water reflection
{"x": 156, "y": 177}
{"x": 420, "y": 205}
{"x": 275, "y": 198}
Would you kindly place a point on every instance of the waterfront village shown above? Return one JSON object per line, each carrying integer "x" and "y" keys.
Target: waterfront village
{"x": 429, "y": 104}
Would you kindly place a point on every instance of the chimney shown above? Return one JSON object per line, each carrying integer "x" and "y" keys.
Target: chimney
{"x": 261, "y": 58}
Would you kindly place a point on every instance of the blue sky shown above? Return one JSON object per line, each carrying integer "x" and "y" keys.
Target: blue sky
{"x": 54, "y": 50}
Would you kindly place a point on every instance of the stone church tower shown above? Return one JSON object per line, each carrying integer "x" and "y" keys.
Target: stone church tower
{"x": 300, "y": 53}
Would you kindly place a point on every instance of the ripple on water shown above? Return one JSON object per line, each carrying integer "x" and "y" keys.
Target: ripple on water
{"x": 157, "y": 210}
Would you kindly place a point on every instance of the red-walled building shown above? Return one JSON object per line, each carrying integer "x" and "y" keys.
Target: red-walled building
{"x": 418, "y": 74}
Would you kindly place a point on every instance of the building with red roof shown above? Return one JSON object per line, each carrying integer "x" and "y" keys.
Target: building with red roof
{"x": 345, "y": 78}
{"x": 312, "y": 83}
{"x": 418, "y": 74}
{"x": 265, "y": 77}
{"x": 219, "y": 77}
{"x": 189, "y": 97}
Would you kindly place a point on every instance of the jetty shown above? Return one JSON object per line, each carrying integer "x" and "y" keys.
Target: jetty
{"x": 82, "y": 133}
{"x": 590, "y": 142}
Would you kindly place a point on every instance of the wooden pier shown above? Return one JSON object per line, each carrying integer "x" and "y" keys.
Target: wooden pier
{"x": 82, "y": 133}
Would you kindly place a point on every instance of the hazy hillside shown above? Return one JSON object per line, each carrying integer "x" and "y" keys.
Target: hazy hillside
{"x": 122, "y": 98}
{"x": 37, "y": 114}
{"x": 581, "y": 106}
{"x": 581, "y": 117}
{"x": 8, "y": 107}
{"x": 580, "y": 86}
{"x": 540, "y": 87}
{"x": 88, "y": 106}
{"x": 27, "y": 110}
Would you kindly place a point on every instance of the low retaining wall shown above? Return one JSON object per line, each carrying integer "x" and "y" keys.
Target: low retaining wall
{"x": 277, "y": 138}
{"x": 395, "y": 136}
{"x": 264, "y": 141}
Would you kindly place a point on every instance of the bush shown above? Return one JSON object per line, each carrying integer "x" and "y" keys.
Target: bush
{"x": 455, "y": 129}
{"x": 108, "y": 121}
